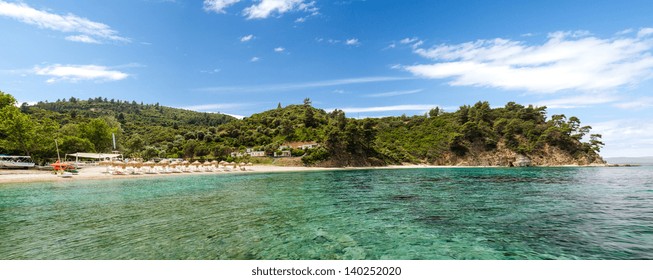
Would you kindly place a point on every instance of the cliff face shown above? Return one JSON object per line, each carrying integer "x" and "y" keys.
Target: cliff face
{"x": 501, "y": 156}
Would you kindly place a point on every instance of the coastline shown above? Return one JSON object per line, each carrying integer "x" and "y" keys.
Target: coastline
{"x": 98, "y": 172}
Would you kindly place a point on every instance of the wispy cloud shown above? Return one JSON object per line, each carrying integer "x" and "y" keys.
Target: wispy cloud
{"x": 267, "y": 8}
{"x": 406, "y": 41}
{"x": 89, "y": 31}
{"x": 82, "y": 39}
{"x": 345, "y": 42}
{"x": 254, "y": 59}
{"x": 247, "y": 38}
{"x": 214, "y": 71}
{"x": 279, "y": 49}
{"x": 74, "y": 73}
{"x": 240, "y": 117}
{"x": 577, "y": 101}
{"x": 299, "y": 86}
{"x": 216, "y": 106}
{"x": 625, "y": 137}
{"x": 218, "y": 6}
{"x": 566, "y": 61}
{"x": 352, "y": 42}
{"x": 640, "y": 103}
{"x": 410, "y": 108}
{"x": 394, "y": 93}
{"x": 220, "y": 108}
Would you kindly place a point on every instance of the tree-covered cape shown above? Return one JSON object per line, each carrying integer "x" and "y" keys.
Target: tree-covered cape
{"x": 472, "y": 135}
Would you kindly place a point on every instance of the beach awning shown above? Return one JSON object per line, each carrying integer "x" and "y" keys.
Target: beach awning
{"x": 94, "y": 155}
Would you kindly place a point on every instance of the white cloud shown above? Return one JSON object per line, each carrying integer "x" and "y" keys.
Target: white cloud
{"x": 394, "y": 93}
{"x": 266, "y": 8}
{"x": 240, "y": 117}
{"x": 82, "y": 39}
{"x": 352, "y": 42}
{"x": 74, "y": 73}
{"x": 625, "y": 31}
{"x": 214, "y": 71}
{"x": 247, "y": 38}
{"x": 414, "y": 42}
{"x": 255, "y": 59}
{"x": 644, "y": 102}
{"x": 566, "y": 61}
{"x": 625, "y": 137}
{"x": 407, "y": 41}
{"x": 420, "y": 107}
{"x": 90, "y": 31}
{"x": 299, "y": 86}
{"x": 219, "y": 107}
{"x": 214, "y": 107}
{"x": 218, "y": 6}
{"x": 279, "y": 49}
{"x": 577, "y": 101}
{"x": 644, "y": 32}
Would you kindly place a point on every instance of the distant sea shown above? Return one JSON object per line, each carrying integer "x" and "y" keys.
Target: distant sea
{"x": 439, "y": 213}
{"x": 630, "y": 160}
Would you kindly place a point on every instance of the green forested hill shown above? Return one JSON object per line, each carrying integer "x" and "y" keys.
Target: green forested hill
{"x": 472, "y": 135}
{"x": 142, "y": 130}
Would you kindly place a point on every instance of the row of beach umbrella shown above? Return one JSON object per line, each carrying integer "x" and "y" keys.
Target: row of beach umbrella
{"x": 167, "y": 166}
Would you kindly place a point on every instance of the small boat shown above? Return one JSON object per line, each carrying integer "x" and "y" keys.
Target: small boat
{"x": 16, "y": 161}
{"x": 64, "y": 167}
{"x": 65, "y": 175}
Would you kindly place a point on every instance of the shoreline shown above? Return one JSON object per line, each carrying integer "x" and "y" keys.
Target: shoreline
{"x": 98, "y": 172}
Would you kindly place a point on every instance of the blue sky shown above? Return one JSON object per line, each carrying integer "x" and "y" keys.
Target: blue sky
{"x": 591, "y": 59}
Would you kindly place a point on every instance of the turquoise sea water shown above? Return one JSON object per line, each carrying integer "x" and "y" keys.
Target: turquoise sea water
{"x": 444, "y": 213}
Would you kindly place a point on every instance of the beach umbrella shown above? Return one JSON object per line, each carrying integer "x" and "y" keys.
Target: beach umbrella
{"x": 196, "y": 163}
{"x": 249, "y": 164}
{"x": 120, "y": 163}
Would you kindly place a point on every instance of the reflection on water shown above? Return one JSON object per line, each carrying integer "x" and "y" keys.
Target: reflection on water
{"x": 451, "y": 213}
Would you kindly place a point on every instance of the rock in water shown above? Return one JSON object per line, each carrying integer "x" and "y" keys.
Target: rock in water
{"x": 523, "y": 161}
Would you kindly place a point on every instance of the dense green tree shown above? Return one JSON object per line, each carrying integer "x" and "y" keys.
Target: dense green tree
{"x": 595, "y": 142}
{"x": 69, "y": 144}
{"x": 6, "y": 100}
{"x": 98, "y": 132}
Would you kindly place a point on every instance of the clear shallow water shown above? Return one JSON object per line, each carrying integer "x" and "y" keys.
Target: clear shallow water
{"x": 448, "y": 213}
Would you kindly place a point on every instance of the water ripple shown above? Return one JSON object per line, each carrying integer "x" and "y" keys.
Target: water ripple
{"x": 457, "y": 213}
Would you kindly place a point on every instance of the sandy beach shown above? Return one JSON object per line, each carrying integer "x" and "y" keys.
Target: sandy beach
{"x": 100, "y": 173}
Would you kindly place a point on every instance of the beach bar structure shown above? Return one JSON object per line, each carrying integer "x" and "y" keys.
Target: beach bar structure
{"x": 96, "y": 156}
